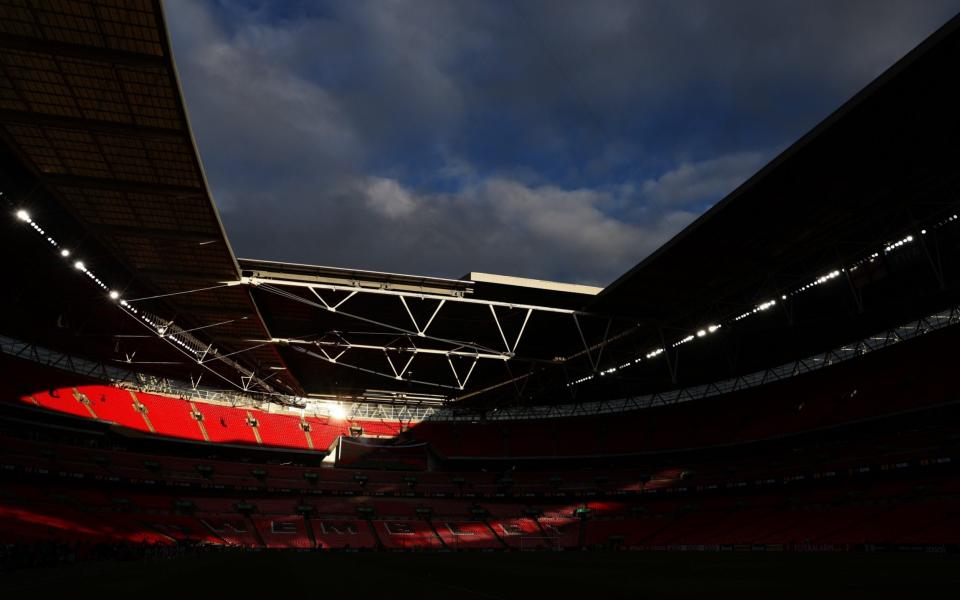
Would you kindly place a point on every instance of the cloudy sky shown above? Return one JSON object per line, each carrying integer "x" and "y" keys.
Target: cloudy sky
{"x": 540, "y": 138}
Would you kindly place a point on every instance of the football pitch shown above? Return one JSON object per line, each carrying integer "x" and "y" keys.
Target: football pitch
{"x": 588, "y": 575}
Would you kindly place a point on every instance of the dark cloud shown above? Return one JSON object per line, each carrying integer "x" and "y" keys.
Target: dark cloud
{"x": 553, "y": 139}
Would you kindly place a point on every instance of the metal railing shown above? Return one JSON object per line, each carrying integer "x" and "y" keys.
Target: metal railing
{"x": 126, "y": 376}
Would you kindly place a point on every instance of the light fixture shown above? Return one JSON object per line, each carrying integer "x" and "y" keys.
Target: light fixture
{"x": 23, "y": 215}
{"x": 64, "y": 253}
{"x": 114, "y": 294}
{"x": 80, "y": 266}
{"x": 338, "y": 412}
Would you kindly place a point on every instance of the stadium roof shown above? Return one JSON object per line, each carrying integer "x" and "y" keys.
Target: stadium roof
{"x": 91, "y": 103}
{"x": 91, "y": 106}
{"x": 879, "y": 169}
{"x": 572, "y": 288}
{"x": 880, "y": 162}
{"x": 343, "y": 331}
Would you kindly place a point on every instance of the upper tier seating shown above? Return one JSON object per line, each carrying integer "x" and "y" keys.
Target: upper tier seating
{"x": 226, "y": 424}
{"x": 114, "y": 405}
{"x": 281, "y": 430}
{"x": 170, "y": 416}
{"x": 63, "y": 400}
{"x": 176, "y": 418}
{"x": 906, "y": 376}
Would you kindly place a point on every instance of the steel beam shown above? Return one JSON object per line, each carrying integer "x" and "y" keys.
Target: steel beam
{"x": 258, "y": 281}
{"x": 83, "y": 124}
{"x": 95, "y": 53}
{"x": 347, "y": 345}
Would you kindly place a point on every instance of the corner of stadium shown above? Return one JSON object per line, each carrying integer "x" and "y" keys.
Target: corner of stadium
{"x": 770, "y": 395}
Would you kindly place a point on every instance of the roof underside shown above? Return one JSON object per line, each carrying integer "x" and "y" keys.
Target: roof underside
{"x": 91, "y": 104}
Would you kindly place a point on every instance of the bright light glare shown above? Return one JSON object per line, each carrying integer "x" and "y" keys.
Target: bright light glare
{"x": 23, "y": 215}
{"x": 338, "y": 412}
{"x": 64, "y": 253}
{"x": 80, "y": 266}
{"x": 114, "y": 294}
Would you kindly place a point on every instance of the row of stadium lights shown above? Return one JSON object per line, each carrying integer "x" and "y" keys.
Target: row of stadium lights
{"x": 704, "y": 332}
{"x": 336, "y": 411}
{"x": 114, "y": 295}
{"x": 65, "y": 253}
{"x": 162, "y": 329}
{"x": 765, "y": 306}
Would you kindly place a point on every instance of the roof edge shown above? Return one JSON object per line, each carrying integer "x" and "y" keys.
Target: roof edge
{"x": 854, "y": 101}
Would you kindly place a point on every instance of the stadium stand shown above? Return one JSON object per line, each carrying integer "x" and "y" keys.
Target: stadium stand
{"x": 177, "y": 418}
{"x": 344, "y": 533}
{"x": 284, "y": 531}
{"x": 837, "y": 489}
{"x": 843, "y": 393}
{"x": 463, "y": 535}
{"x": 171, "y": 416}
{"x": 407, "y": 534}
{"x": 281, "y": 431}
{"x": 226, "y": 424}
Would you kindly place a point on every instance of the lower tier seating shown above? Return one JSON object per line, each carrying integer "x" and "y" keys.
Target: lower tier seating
{"x": 463, "y": 535}
{"x": 407, "y": 534}
{"x": 343, "y": 533}
{"x": 914, "y": 512}
{"x": 288, "y": 531}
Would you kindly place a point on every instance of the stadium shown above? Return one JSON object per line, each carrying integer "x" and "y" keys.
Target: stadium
{"x": 769, "y": 394}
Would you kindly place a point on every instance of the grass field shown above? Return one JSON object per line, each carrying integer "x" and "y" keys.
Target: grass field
{"x": 588, "y": 575}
